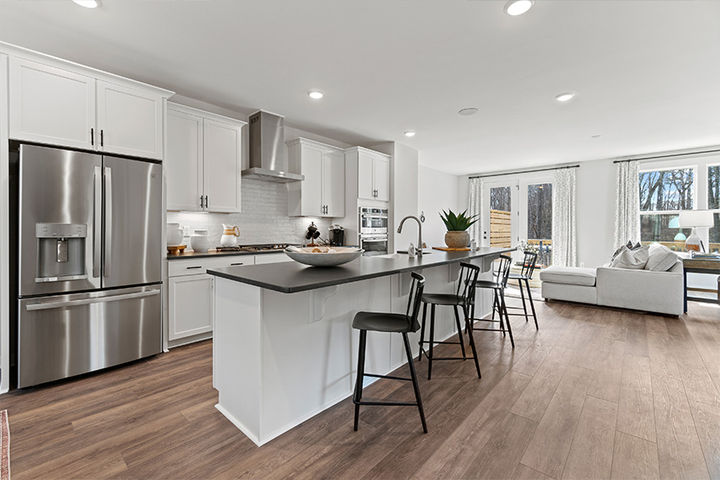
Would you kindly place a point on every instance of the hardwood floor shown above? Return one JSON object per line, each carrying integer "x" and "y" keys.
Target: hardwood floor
{"x": 596, "y": 393}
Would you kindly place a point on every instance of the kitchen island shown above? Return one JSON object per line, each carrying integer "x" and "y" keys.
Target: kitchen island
{"x": 284, "y": 348}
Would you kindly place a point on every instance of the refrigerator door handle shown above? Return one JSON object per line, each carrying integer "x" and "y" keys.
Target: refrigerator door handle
{"x": 97, "y": 221}
{"x": 108, "y": 219}
{"x": 87, "y": 301}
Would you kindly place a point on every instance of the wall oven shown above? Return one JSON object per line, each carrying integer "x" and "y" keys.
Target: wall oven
{"x": 373, "y": 223}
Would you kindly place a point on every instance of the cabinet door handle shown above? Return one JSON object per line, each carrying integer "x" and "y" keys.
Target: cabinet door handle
{"x": 102, "y": 138}
{"x": 206, "y": 201}
{"x": 194, "y": 267}
{"x": 236, "y": 264}
{"x": 202, "y": 203}
{"x": 92, "y": 136}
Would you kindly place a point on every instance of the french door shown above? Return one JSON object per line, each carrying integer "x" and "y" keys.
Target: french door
{"x": 518, "y": 209}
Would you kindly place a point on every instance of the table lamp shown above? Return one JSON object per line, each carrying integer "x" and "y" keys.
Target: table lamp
{"x": 694, "y": 219}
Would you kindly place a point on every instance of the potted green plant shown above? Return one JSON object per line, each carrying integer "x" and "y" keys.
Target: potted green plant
{"x": 457, "y": 225}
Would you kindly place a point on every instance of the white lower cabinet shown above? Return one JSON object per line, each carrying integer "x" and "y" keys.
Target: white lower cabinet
{"x": 190, "y": 296}
{"x": 190, "y": 305}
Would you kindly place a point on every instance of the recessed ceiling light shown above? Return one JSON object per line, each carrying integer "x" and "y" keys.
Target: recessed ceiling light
{"x": 87, "y": 3}
{"x": 565, "y": 97}
{"x": 518, "y": 7}
{"x": 316, "y": 94}
{"x": 468, "y": 111}
{"x": 409, "y": 133}
{"x": 597, "y": 135}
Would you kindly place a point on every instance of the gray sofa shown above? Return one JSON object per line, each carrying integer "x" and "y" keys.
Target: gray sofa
{"x": 646, "y": 290}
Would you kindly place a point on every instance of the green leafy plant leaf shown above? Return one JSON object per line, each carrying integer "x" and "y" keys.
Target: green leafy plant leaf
{"x": 458, "y": 222}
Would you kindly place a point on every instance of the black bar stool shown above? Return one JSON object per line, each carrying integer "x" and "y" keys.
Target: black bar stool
{"x": 464, "y": 297}
{"x": 526, "y": 272}
{"x": 498, "y": 285}
{"x": 391, "y": 323}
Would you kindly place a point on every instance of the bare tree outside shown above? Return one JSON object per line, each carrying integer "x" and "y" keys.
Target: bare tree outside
{"x": 539, "y": 225}
{"x": 665, "y": 191}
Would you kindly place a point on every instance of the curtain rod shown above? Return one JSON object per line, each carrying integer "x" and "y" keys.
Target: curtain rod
{"x": 669, "y": 155}
{"x": 517, "y": 172}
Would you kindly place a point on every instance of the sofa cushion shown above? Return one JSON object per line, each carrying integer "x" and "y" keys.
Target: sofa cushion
{"x": 661, "y": 258}
{"x": 569, "y": 276}
{"x": 634, "y": 259}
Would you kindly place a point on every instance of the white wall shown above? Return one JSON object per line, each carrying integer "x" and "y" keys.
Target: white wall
{"x": 437, "y": 191}
{"x": 404, "y": 178}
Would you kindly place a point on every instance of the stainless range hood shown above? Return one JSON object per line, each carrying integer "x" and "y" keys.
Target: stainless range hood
{"x": 267, "y": 157}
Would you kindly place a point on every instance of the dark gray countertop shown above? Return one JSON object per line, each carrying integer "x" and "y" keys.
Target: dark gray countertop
{"x": 214, "y": 253}
{"x": 291, "y": 277}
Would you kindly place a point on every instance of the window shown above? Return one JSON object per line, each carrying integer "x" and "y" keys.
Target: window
{"x": 713, "y": 203}
{"x": 663, "y": 194}
{"x": 500, "y": 216}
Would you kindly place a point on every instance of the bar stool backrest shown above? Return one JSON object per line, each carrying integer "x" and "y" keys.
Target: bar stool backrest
{"x": 529, "y": 264}
{"x": 466, "y": 282}
{"x": 415, "y": 297}
{"x": 504, "y": 264}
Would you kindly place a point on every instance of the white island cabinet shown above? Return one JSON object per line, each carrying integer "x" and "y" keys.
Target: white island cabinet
{"x": 284, "y": 348}
{"x": 64, "y": 104}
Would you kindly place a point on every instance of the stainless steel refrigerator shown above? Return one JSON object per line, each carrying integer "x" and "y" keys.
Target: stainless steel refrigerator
{"x": 88, "y": 254}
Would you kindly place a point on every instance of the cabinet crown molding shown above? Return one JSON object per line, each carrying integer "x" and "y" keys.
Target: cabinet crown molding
{"x": 35, "y": 56}
{"x": 367, "y": 150}
{"x": 204, "y": 113}
{"x": 314, "y": 143}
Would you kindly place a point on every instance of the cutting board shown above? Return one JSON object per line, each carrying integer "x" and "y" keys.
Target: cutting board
{"x": 448, "y": 249}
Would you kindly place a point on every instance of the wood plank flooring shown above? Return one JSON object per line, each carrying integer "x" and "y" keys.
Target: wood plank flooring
{"x": 596, "y": 393}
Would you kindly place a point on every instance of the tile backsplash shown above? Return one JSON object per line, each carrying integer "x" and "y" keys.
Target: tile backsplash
{"x": 264, "y": 217}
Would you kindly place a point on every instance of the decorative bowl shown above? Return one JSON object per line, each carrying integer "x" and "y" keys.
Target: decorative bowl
{"x": 322, "y": 256}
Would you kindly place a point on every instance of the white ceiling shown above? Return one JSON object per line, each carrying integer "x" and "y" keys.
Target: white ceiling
{"x": 647, "y": 72}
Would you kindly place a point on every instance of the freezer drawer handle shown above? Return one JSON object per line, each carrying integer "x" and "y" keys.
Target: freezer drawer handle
{"x": 87, "y": 301}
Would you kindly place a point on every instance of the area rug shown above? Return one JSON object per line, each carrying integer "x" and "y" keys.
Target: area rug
{"x": 4, "y": 446}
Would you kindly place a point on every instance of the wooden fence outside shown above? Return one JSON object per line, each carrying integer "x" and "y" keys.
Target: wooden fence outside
{"x": 500, "y": 229}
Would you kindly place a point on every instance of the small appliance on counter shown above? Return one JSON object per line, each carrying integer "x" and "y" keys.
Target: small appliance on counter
{"x": 337, "y": 235}
{"x": 199, "y": 241}
{"x": 230, "y": 236}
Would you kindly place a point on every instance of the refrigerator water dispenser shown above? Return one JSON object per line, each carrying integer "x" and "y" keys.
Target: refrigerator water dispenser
{"x": 61, "y": 251}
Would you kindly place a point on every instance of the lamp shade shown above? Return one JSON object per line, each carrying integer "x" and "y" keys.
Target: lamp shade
{"x": 696, "y": 218}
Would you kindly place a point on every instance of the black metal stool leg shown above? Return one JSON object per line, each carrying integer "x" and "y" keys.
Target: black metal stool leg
{"x": 422, "y": 332}
{"x": 459, "y": 330}
{"x": 507, "y": 317}
{"x": 357, "y": 397}
{"x": 497, "y": 295}
{"x": 532, "y": 305}
{"x": 472, "y": 341}
{"x": 416, "y": 387}
{"x": 432, "y": 339}
{"x": 522, "y": 296}
{"x": 495, "y": 304}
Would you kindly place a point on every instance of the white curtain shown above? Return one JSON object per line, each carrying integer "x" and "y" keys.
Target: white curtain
{"x": 627, "y": 207}
{"x": 475, "y": 208}
{"x": 564, "y": 237}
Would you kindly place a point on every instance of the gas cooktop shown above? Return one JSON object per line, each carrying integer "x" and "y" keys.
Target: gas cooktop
{"x": 265, "y": 247}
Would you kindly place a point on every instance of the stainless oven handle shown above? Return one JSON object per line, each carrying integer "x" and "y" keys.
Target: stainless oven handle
{"x": 97, "y": 221}
{"x": 108, "y": 220}
{"x": 87, "y": 301}
{"x": 373, "y": 240}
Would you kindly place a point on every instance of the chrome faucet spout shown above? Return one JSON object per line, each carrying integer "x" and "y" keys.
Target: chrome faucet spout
{"x": 419, "y": 251}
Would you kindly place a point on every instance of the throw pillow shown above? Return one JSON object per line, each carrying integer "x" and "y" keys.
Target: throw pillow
{"x": 628, "y": 246}
{"x": 661, "y": 258}
{"x": 631, "y": 259}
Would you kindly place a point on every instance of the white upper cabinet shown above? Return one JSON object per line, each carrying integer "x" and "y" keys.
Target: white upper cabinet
{"x": 373, "y": 173}
{"x": 130, "y": 120}
{"x": 203, "y": 161}
{"x": 68, "y": 105}
{"x": 183, "y": 159}
{"x": 223, "y": 161}
{"x": 322, "y": 192}
{"x": 51, "y": 105}
{"x": 381, "y": 172}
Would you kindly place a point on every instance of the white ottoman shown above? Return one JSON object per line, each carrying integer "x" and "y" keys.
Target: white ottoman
{"x": 571, "y": 284}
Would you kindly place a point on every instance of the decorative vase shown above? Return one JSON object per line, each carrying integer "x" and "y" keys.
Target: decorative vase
{"x": 229, "y": 236}
{"x": 174, "y": 234}
{"x": 457, "y": 239}
{"x": 199, "y": 241}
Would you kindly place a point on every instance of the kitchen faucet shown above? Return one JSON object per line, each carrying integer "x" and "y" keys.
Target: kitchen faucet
{"x": 419, "y": 250}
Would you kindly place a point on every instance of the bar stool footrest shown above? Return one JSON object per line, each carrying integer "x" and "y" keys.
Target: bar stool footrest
{"x": 389, "y": 377}
{"x": 387, "y": 404}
